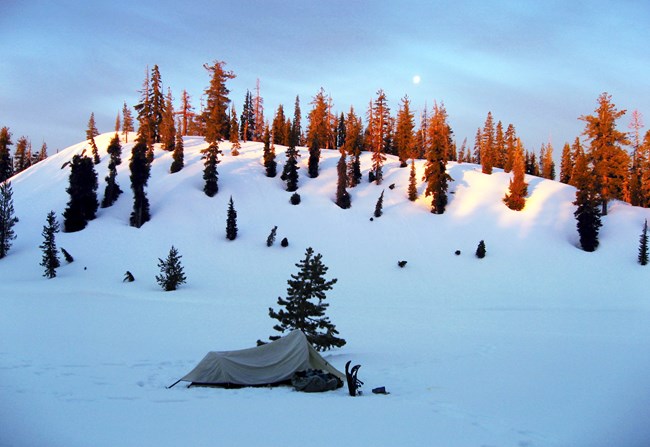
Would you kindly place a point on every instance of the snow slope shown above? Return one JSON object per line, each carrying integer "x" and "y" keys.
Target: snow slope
{"x": 538, "y": 344}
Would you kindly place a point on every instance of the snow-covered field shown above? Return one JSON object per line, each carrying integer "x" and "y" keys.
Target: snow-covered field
{"x": 538, "y": 344}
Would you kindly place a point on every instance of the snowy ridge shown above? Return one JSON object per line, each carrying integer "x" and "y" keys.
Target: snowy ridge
{"x": 538, "y": 344}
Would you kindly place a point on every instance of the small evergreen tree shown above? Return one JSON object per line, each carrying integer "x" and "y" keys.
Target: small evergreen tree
{"x": 6, "y": 168}
{"x": 290, "y": 171}
{"x": 480, "y": 250}
{"x": 269, "y": 155}
{"x": 271, "y": 239}
{"x": 83, "y": 203}
{"x": 515, "y": 199}
{"x": 413, "y": 189}
{"x": 231, "y": 221}
{"x": 295, "y": 199}
{"x": 234, "y": 132}
{"x": 588, "y": 204}
{"x": 342, "y": 196}
{"x": 127, "y": 122}
{"x": 210, "y": 174}
{"x": 171, "y": 271}
{"x": 379, "y": 205}
{"x": 50, "y": 258}
{"x": 91, "y": 133}
{"x": 140, "y": 172}
{"x": 643, "y": 245}
{"x": 304, "y": 307}
{"x": 112, "y": 190}
{"x": 7, "y": 218}
{"x": 178, "y": 154}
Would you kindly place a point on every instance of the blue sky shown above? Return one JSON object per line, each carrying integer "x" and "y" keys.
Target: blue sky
{"x": 537, "y": 65}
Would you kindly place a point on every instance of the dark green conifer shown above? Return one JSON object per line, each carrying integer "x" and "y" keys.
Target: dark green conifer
{"x": 7, "y": 218}
{"x": 171, "y": 271}
{"x": 270, "y": 240}
{"x": 269, "y": 155}
{"x": 210, "y": 173}
{"x": 342, "y": 195}
{"x": 6, "y": 168}
{"x": 83, "y": 204}
{"x": 588, "y": 203}
{"x": 480, "y": 250}
{"x": 140, "y": 173}
{"x": 304, "y": 307}
{"x": 231, "y": 221}
{"x": 643, "y": 245}
{"x": 379, "y": 205}
{"x": 112, "y": 190}
{"x": 50, "y": 260}
{"x": 91, "y": 133}
{"x": 178, "y": 155}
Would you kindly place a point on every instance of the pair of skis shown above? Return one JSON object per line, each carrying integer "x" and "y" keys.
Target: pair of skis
{"x": 351, "y": 377}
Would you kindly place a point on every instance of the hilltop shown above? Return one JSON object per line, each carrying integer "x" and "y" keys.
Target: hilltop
{"x": 539, "y": 343}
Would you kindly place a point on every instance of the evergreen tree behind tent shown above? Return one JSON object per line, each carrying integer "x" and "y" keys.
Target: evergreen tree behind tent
{"x": 304, "y": 307}
{"x": 7, "y": 218}
{"x": 83, "y": 204}
{"x": 50, "y": 260}
{"x": 171, "y": 271}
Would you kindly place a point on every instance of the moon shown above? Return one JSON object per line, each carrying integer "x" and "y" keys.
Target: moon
{"x": 416, "y": 79}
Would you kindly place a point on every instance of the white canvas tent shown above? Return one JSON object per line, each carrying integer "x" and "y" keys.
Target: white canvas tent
{"x": 267, "y": 364}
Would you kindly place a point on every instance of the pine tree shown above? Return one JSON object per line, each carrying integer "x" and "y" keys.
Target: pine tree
{"x": 91, "y": 133}
{"x": 379, "y": 123}
{"x": 178, "y": 155}
{"x": 412, "y": 189}
{"x": 6, "y": 168}
{"x": 587, "y": 201}
{"x": 186, "y": 114}
{"x": 609, "y": 160}
{"x": 140, "y": 173}
{"x": 511, "y": 147}
{"x": 234, "y": 132}
{"x": 566, "y": 164}
{"x": 258, "y": 113}
{"x": 20, "y": 156}
{"x": 7, "y": 218}
{"x": 50, "y": 258}
{"x": 145, "y": 114}
{"x": 42, "y": 155}
{"x": 270, "y": 240}
{"x": 171, "y": 271}
{"x": 342, "y": 196}
{"x": 112, "y": 190}
{"x": 304, "y": 307}
{"x": 488, "y": 146}
{"x": 127, "y": 122}
{"x": 231, "y": 221}
{"x": 210, "y": 174}
{"x": 168, "y": 124}
{"x": 352, "y": 146}
{"x": 404, "y": 136}
{"x": 290, "y": 171}
{"x": 279, "y": 129}
{"x": 639, "y": 161}
{"x": 341, "y": 132}
{"x": 643, "y": 245}
{"x": 435, "y": 171}
{"x": 247, "y": 119}
{"x": 480, "y": 250}
{"x": 296, "y": 130}
{"x": 83, "y": 204}
{"x": 118, "y": 123}
{"x": 547, "y": 163}
{"x": 379, "y": 206}
{"x": 270, "y": 164}
{"x": 215, "y": 116}
{"x": 515, "y": 199}
{"x": 317, "y": 131}
{"x": 157, "y": 104}
{"x": 500, "y": 150}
